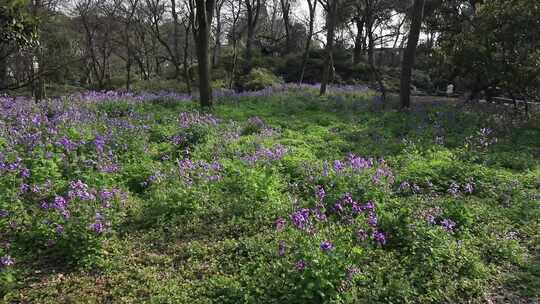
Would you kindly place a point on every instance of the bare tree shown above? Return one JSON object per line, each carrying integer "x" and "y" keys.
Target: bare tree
{"x": 253, "y": 8}
{"x": 127, "y": 10}
{"x": 330, "y": 7}
{"x": 286, "y": 12}
{"x": 312, "y": 6}
{"x": 410, "y": 53}
{"x": 217, "y": 32}
{"x": 98, "y": 24}
{"x": 201, "y": 12}
{"x": 186, "y": 22}
{"x": 359, "y": 40}
{"x": 235, "y": 9}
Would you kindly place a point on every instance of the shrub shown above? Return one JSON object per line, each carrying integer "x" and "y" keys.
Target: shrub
{"x": 260, "y": 78}
{"x": 159, "y": 85}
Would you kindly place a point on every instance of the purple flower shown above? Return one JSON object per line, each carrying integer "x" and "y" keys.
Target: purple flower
{"x": 280, "y": 224}
{"x": 448, "y": 225}
{"x": 281, "y": 248}
{"x": 320, "y": 193}
{"x": 59, "y": 203}
{"x": 3, "y": 213}
{"x": 44, "y": 205}
{"x": 338, "y": 208}
{"x": 97, "y": 227}
{"x": 379, "y": 237}
{"x": 338, "y": 166}
{"x": 431, "y": 219}
{"x": 358, "y": 163}
{"x": 300, "y": 218}
{"x": 59, "y": 229}
{"x": 99, "y": 143}
{"x": 24, "y": 188}
{"x": 453, "y": 189}
{"x": 361, "y": 235}
{"x": 468, "y": 188}
{"x": 65, "y": 214}
{"x": 106, "y": 195}
{"x": 326, "y": 246}
{"x": 80, "y": 190}
{"x": 6, "y": 260}
{"x": 300, "y": 265}
{"x": 67, "y": 144}
{"x": 347, "y": 199}
{"x": 319, "y": 214}
{"x": 372, "y": 219}
{"x": 25, "y": 173}
{"x": 355, "y": 208}
{"x": 369, "y": 206}
{"x": 34, "y": 189}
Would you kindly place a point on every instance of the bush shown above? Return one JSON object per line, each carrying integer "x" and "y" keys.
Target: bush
{"x": 260, "y": 78}
{"x": 158, "y": 85}
{"x": 422, "y": 81}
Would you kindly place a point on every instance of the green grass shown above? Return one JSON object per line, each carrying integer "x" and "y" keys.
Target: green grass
{"x": 217, "y": 243}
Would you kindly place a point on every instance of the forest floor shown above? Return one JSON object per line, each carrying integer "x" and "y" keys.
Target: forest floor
{"x": 288, "y": 198}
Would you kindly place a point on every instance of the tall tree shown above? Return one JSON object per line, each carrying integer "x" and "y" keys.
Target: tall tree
{"x": 201, "y": 15}
{"x": 409, "y": 55}
{"x": 312, "y": 5}
{"x": 359, "y": 22}
{"x": 17, "y": 31}
{"x": 186, "y": 56}
{"x": 235, "y": 10}
{"x": 330, "y": 7}
{"x": 286, "y": 15}
{"x": 253, "y": 9}
{"x": 217, "y": 32}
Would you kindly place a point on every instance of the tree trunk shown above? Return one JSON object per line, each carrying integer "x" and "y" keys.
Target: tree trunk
{"x": 330, "y": 28}
{"x": 204, "y": 9}
{"x": 128, "y": 72}
{"x": 358, "y": 41}
{"x": 312, "y": 9}
{"x": 285, "y": 10}
{"x": 217, "y": 47}
{"x": 233, "y": 69}
{"x": 371, "y": 46}
{"x": 410, "y": 53}
{"x": 252, "y": 10}
{"x": 176, "y": 47}
{"x": 3, "y": 71}
{"x": 187, "y": 76}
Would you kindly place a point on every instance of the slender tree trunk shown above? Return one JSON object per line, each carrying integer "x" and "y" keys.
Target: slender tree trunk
{"x": 217, "y": 47}
{"x": 358, "y": 41}
{"x": 252, "y": 10}
{"x": 204, "y": 10}
{"x": 330, "y": 32}
{"x": 3, "y": 70}
{"x": 249, "y": 47}
{"x": 185, "y": 64}
{"x": 369, "y": 20}
{"x": 128, "y": 72}
{"x": 371, "y": 46}
{"x": 233, "y": 69}
{"x": 128, "y": 59}
{"x": 312, "y": 9}
{"x": 176, "y": 46}
{"x": 285, "y": 10}
{"x": 398, "y": 34}
{"x": 410, "y": 53}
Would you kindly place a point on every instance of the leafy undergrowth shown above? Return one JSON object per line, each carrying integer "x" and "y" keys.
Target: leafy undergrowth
{"x": 285, "y": 198}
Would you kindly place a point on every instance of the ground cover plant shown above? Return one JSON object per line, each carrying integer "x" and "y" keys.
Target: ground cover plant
{"x": 277, "y": 196}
